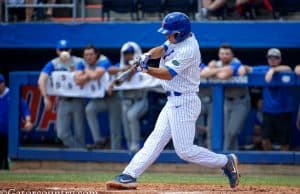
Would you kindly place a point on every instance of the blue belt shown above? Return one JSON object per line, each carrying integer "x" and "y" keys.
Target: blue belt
{"x": 171, "y": 93}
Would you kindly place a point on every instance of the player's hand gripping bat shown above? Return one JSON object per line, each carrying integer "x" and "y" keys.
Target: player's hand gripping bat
{"x": 126, "y": 74}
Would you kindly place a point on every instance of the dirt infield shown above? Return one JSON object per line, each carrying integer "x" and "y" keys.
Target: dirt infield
{"x": 92, "y": 188}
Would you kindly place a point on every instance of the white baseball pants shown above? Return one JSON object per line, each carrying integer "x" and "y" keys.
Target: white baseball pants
{"x": 177, "y": 121}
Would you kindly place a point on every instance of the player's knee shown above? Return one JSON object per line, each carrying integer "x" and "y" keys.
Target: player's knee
{"x": 132, "y": 116}
{"x": 89, "y": 110}
{"x": 185, "y": 154}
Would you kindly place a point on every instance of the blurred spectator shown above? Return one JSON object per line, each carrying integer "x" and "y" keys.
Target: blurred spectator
{"x": 237, "y": 99}
{"x": 69, "y": 108}
{"x": 247, "y": 8}
{"x": 134, "y": 102}
{"x": 93, "y": 68}
{"x": 49, "y": 13}
{"x": 16, "y": 14}
{"x": 204, "y": 121}
{"x": 29, "y": 11}
{"x": 211, "y": 6}
{"x": 277, "y": 103}
{"x": 4, "y": 120}
{"x": 110, "y": 102}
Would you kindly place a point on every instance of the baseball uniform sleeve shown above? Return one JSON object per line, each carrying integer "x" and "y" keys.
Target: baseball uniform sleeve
{"x": 24, "y": 108}
{"x": 180, "y": 61}
{"x": 235, "y": 65}
{"x": 80, "y": 67}
{"x": 49, "y": 68}
{"x": 202, "y": 66}
{"x": 105, "y": 63}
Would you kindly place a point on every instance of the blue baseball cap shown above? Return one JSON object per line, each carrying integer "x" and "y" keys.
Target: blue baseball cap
{"x": 2, "y": 78}
{"x": 63, "y": 44}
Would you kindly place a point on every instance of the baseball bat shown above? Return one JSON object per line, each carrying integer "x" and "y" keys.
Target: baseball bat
{"x": 125, "y": 75}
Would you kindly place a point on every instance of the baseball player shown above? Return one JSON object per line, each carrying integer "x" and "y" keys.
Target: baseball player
{"x": 237, "y": 99}
{"x": 134, "y": 102}
{"x": 180, "y": 76}
{"x": 277, "y": 103}
{"x": 93, "y": 68}
{"x": 69, "y": 108}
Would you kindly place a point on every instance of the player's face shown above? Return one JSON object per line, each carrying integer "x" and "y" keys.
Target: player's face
{"x": 90, "y": 56}
{"x": 171, "y": 38}
{"x": 128, "y": 57}
{"x": 2, "y": 87}
{"x": 225, "y": 55}
{"x": 274, "y": 61}
{"x": 58, "y": 51}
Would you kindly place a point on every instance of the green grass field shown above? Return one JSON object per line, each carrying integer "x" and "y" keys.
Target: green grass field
{"x": 293, "y": 181}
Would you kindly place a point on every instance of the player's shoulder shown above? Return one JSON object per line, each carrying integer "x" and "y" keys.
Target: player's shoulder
{"x": 53, "y": 62}
{"x": 76, "y": 59}
{"x": 103, "y": 58}
{"x": 236, "y": 60}
{"x": 187, "y": 49}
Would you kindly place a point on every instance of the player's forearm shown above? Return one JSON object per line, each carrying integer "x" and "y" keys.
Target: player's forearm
{"x": 225, "y": 73}
{"x": 297, "y": 69}
{"x": 282, "y": 68}
{"x": 95, "y": 75}
{"x": 157, "y": 52}
{"x": 160, "y": 73}
{"x": 208, "y": 72}
{"x": 42, "y": 82}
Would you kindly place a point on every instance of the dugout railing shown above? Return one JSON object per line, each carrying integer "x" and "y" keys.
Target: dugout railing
{"x": 16, "y": 151}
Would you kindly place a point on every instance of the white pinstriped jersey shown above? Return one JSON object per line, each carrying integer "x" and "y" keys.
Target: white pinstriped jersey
{"x": 183, "y": 58}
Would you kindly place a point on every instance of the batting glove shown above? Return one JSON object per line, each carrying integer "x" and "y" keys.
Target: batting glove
{"x": 143, "y": 60}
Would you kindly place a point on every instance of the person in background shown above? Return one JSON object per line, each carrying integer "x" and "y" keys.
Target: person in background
{"x": 69, "y": 108}
{"x": 134, "y": 102}
{"x": 4, "y": 120}
{"x": 90, "y": 69}
{"x": 94, "y": 67}
{"x": 277, "y": 103}
{"x": 29, "y": 10}
{"x": 210, "y": 6}
{"x": 237, "y": 99}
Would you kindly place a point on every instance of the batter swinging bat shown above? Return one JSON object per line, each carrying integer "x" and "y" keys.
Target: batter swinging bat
{"x": 123, "y": 76}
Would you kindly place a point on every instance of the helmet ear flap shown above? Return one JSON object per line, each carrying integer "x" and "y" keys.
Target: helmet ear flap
{"x": 177, "y": 36}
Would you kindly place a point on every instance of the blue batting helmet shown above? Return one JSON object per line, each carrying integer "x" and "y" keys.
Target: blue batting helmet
{"x": 176, "y": 22}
